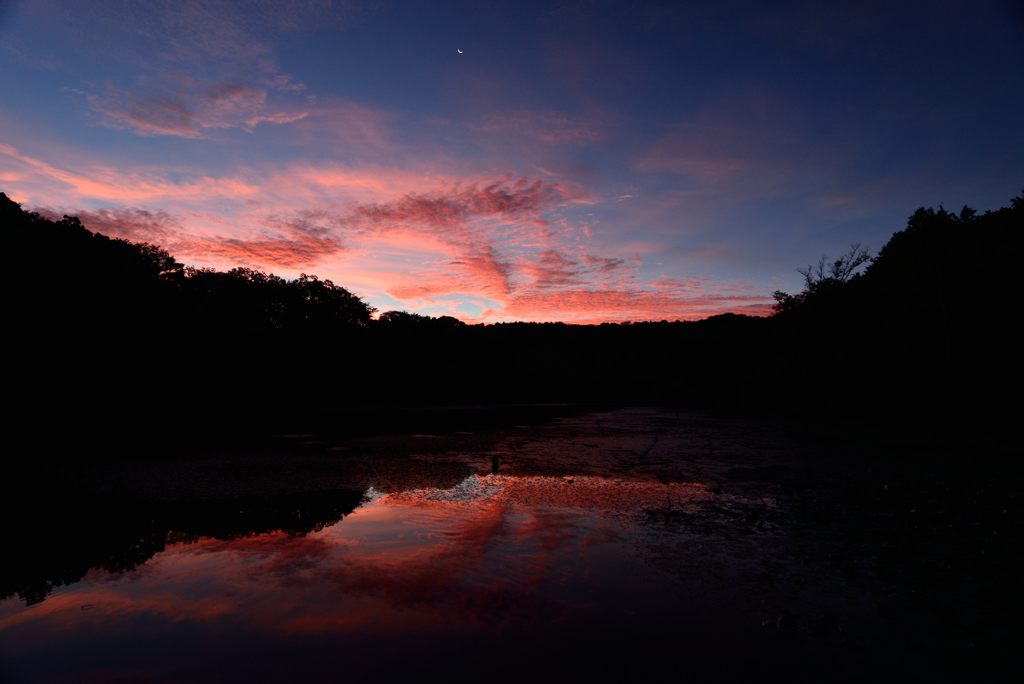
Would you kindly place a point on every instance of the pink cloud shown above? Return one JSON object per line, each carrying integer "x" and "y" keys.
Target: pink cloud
{"x": 294, "y": 245}
{"x": 551, "y": 269}
{"x": 100, "y": 182}
{"x": 426, "y": 239}
{"x": 503, "y": 200}
{"x": 481, "y": 272}
{"x": 139, "y": 225}
{"x": 632, "y": 304}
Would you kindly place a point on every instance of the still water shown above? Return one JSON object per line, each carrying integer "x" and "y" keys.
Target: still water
{"x": 499, "y": 563}
{"x": 631, "y": 543}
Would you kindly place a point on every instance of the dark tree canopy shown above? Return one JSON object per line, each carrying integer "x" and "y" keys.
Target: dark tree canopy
{"x": 133, "y": 285}
{"x": 924, "y": 328}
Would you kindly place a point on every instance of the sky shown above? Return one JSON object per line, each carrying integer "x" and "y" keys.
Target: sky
{"x": 500, "y": 161}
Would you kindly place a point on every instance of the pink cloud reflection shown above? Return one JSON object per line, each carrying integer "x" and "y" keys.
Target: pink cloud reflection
{"x": 491, "y": 546}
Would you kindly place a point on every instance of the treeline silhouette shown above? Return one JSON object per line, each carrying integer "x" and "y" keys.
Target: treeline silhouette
{"x": 113, "y": 342}
{"x": 930, "y": 328}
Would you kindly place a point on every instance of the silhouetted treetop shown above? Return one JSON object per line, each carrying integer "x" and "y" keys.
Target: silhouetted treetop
{"x": 838, "y": 271}
{"x": 942, "y": 263}
{"x": 91, "y": 279}
{"x": 824, "y": 279}
{"x": 404, "y": 320}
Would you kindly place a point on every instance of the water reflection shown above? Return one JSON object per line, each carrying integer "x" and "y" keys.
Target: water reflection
{"x": 58, "y": 544}
{"x": 634, "y": 543}
{"x": 358, "y": 572}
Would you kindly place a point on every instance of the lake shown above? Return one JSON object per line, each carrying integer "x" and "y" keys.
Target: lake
{"x": 631, "y": 542}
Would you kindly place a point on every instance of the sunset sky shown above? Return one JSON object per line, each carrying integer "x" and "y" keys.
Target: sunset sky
{"x": 578, "y": 161}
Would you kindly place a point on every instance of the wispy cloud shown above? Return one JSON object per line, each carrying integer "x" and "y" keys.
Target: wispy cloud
{"x": 137, "y": 225}
{"x": 190, "y": 115}
{"x": 519, "y": 200}
{"x": 632, "y": 304}
{"x": 147, "y": 115}
{"x": 195, "y": 66}
{"x": 551, "y": 269}
{"x": 425, "y": 241}
{"x": 292, "y": 244}
{"x": 105, "y": 183}
{"x": 548, "y": 127}
{"x": 477, "y": 272}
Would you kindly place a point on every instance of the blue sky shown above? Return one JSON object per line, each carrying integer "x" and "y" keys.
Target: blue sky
{"x": 579, "y": 161}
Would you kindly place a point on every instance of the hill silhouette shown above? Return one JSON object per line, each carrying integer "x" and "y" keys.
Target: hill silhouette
{"x": 118, "y": 343}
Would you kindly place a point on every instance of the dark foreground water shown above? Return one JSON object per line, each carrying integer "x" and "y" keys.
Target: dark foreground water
{"x": 640, "y": 543}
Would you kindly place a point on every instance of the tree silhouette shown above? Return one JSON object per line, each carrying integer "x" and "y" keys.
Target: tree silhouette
{"x": 840, "y": 270}
{"x": 180, "y": 350}
{"x": 823, "y": 279}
